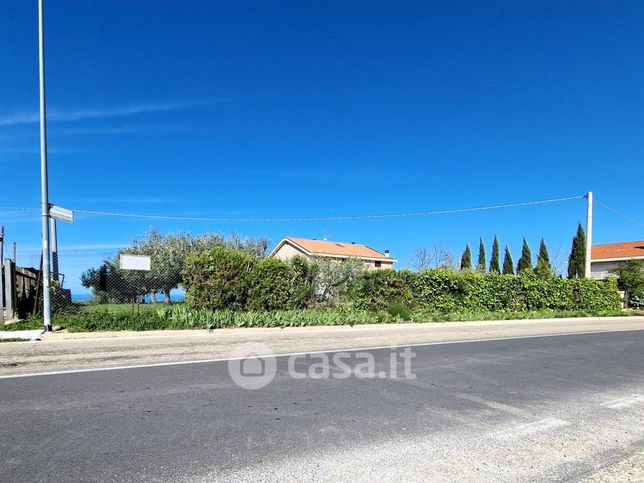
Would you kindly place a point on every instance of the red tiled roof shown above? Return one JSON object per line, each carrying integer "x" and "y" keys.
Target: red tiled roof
{"x": 324, "y": 247}
{"x": 631, "y": 249}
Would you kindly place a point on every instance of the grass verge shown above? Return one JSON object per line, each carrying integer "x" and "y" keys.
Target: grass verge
{"x": 178, "y": 316}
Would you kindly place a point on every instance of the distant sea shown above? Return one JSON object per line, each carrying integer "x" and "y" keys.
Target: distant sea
{"x": 86, "y": 297}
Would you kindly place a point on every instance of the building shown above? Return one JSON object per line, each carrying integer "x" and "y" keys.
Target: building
{"x": 611, "y": 255}
{"x": 307, "y": 248}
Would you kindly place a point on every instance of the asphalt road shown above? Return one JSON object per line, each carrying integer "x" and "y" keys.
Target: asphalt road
{"x": 539, "y": 408}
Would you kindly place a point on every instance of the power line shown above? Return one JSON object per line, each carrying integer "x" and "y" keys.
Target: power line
{"x": 326, "y": 218}
{"x": 618, "y": 213}
{"x": 311, "y": 218}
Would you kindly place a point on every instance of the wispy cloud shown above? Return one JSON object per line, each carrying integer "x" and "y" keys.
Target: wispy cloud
{"x": 82, "y": 247}
{"x": 57, "y": 115}
{"x": 130, "y": 200}
{"x": 36, "y": 150}
{"x": 123, "y": 129}
{"x": 341, "y": 176}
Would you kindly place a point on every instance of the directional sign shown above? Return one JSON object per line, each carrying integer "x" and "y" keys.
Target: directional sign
{"x": 60, "y": 213}
{"x": 134, "y": 262}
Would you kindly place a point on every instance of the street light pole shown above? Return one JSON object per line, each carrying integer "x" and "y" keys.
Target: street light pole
{"x": 44, "y": 181}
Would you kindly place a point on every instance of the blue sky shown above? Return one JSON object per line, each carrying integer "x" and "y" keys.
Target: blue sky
{"x": 325, "y": 108}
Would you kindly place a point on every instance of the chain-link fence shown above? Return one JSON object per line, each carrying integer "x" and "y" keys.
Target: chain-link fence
{"x": 87, "y": 260}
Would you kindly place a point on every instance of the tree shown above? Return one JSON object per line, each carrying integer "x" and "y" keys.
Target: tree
{"x": 495, "y": 265}
{"x": 168, "y": 254}
{"x": 544, "y": 268}
{"x": 421, "y": 259}
{"x": 577, "y": 259}
{"x": 480, "y": 264}
{"x": 466, "y": 258}
{"x": 436, "y": 256}
{"x": 508, "y": 264}
{"x": 631, "y": 280}
{"x": 525, "y": 262}
{"x": 110, "y": 284}
{"x": 332, "y": 276}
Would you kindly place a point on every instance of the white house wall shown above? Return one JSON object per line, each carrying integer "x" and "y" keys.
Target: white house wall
{"x": 288, "y": 251}
{"x": 601, "y": 270}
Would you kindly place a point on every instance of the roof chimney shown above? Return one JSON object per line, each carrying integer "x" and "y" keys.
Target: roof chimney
{"x": 353, "y": 243}
{"x": 387, "y": 253}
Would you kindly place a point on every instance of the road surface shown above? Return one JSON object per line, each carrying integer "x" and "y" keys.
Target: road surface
{"x": 565, "y": 407}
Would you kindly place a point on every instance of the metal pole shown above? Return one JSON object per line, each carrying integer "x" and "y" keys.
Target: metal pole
{"x": 44, "y": 185}
{"x": 1, "y": 271}
{"x": 54, "y": 251}
{"x": 589, "y": 233}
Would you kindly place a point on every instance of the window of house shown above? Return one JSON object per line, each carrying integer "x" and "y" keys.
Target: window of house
{"x": 378, "y": 264}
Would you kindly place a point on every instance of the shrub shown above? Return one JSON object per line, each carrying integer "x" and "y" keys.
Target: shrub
{"x": 218, "y": 279}
{"x": 227, "y": 279}
{"x": 446, "y": 291}
{"x": 375, "y": 289}
{"x": 276, "y": 284}
{"x": 631, "y": 280}
{"x": 398, "y": 310}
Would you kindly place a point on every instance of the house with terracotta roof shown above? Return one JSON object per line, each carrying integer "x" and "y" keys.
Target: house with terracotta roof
{"x": 611, "y": 255}
{"x": 311, "y": 248}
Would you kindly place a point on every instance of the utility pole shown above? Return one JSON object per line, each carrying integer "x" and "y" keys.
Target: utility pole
{"x": 589, "y": 233}
{"x": 54, "y": 251}
{"x": 44, "y": 178}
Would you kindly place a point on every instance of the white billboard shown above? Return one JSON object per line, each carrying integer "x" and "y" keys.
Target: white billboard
{"x": 134, "y": 262}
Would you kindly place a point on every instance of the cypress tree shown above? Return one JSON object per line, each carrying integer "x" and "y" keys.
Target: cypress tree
{"x": 525, "y": 262}
{"x": 544, "y": 268}
{"x": 577, "y": 259}
{"x": 466, "y": 258}
{"x": 480, "y": 265}
{"x": 495, "y": 265}
{"x": 508, "y": 264}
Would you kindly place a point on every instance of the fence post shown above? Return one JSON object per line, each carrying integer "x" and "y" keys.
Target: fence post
{"x": 10, "y": 288}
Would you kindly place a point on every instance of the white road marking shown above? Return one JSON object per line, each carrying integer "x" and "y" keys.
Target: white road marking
{"x": 624, "y": 402}
{"x": 289, "y": 354}
{"x": 531, "y": 428}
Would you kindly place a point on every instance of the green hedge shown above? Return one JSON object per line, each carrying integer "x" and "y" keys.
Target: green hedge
{"x": 225, "y": 279}
{"x": 446, "y": 291}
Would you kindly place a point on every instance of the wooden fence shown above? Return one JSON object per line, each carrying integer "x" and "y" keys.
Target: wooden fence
{"x": 20, "y": 287}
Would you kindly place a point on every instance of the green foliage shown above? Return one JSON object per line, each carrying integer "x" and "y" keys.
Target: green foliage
{"x": 466, "y": 258}
{"x": 577, "y": 259}
{"x": 218, "y": 279}
{"x": 446, "y": 291}
{"x": 525, "y": 262}
{"x": 544, "y": 268}
{"x": 30, "y": 323}
{"x": 230, "y": 279}
{"x": 333, "y": 276}
{"x": 276, "y": 284}
{"x": 168, "y": 255}
{"x": 400, "y": 311}
{"x": 109, "y": 284}
{"x": 495, "y": 265}
{"x": 376, "y": 289}
{"x": 631, "y": 280}
{"x": 180, "y": 316}
{"x": 480, "y": 264}
{"x": 508, "y": 264}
